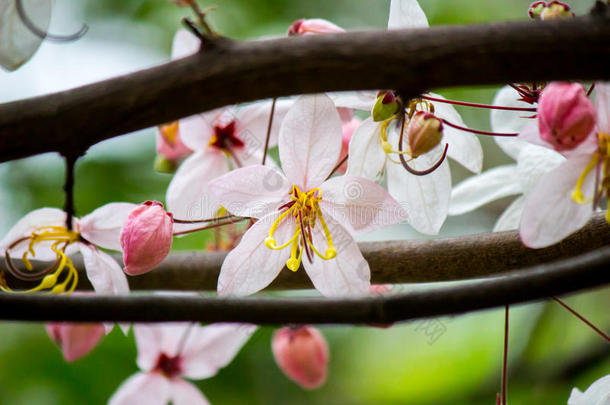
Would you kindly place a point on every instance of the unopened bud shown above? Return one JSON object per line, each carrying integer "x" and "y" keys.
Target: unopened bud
{"x": 385, "y": 106}
{"x": 566, "y": 116}
{"x": 165, "y": 165}
{"x": 75, "y": 339}
{"x": 313, "y": 26}
{"x": 550, "y": 10}
{"x": 425, "y": 132}
{"x": 146, "y": 237}
{"x": 302, "y": 354}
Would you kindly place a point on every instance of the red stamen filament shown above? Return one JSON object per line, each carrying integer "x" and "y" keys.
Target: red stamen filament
{"x": 476, "y": 131}
{"x": 582, "y": 318}
{"x": 232, "y": 221}
{"x": 467, "y": 104}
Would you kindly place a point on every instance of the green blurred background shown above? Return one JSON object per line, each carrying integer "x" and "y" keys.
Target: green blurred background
{"x": 550, "y": 351}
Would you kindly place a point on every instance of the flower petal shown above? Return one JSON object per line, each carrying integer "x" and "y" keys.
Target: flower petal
{"x": 488, "y": 186}
{"x": 426, "y": 198}
{"x": 149, "y": 339}
{"x": 504, "y": 121}
{"x": 530, "y": 133}
{"x": 510, "y": 218}
{"x": 103, "y": 226}
{"x": 188, "y": 196}
{"x": 464, "y": 147}
{"x": 357, "y": 100}
{"x": 18, "y": 42}
{"x": 550, "y": 214}
{"x": 184, "y": 44}
{"x": 406, "y": 14}
{"x": 209, "y": 348}
{"x": 602, "y": 105}
{"x": 366, "y": 158}
{"x": 253, "y": 120}
{"x": 348, "y": 274}
{"x": 359, "y": 204}
{"x": 310, "y": 140}
{"x": 142, "y": 389}
{"x": 185, "y": 393}
{"x": 533, "y": 162}
{"x": 251, "y": 266}
{"x": 196, "y": 131}
{"x": 597, "y": 394}
{"x": 104, "y": 273}
{"x": 252, "y": 191}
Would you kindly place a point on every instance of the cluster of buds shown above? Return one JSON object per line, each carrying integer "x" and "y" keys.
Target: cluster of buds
{"x": 425, "y": 132}
{"x": 550, "y": 10}
{"x": 566, "y": 116}
{"x": 146, "y": 237}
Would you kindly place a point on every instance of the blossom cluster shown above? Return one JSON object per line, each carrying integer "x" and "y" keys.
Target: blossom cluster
{"x": 349, "y": 163}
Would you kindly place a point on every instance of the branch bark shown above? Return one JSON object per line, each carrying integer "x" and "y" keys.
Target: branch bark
{"x": 569, "y": 275}
{"x": 411, "y": 61}
{"x": 395, "y": 262}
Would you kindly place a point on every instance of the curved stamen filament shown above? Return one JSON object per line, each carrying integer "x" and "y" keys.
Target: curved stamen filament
{"x": 577, "y": 194}
{"x": 45, "y": 35}
{"x": 467, "y": 104}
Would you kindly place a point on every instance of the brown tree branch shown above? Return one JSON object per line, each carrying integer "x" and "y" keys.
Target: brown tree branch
{"x": 569, "y": 275}
{"x": 232, "y": 71}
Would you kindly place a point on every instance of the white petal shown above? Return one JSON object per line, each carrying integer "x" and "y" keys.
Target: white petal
{"x": 358, "y": 100}
{"x": 251, "y": 265}
{"x": 510, "y": 218}
{"x": 184, "y": 44}
{"x": 359, "y": 204}
{"x": 188, "y": 196}
{"x": 310, "y": 140}
{"x": 503, "y": 121}
{"x": 348, "y": 274}
{"x": 533, "y": 162}
{"x": 149, "y": 339}
{"x": 426, "y": 198}
{"x": 28, "y": 224}
{"x": 212, "y": 347}
{"x": 366, "y": 158}
{"x": 196, "y": 131}
{"x": 104, "y": 273}
{"x": 550, "y": 214}
{"x": 185, "y": 393}
{"x": 488, "y": 186}
{"x": 597, "y": 394}
{"x": 602, "y": 105}
{"x": 464, "y": 147}
{"x": 530, "y": 133}
{"x": 252, "y": 191}
{"x": 18, "y": 43}
{"x": 142, "y": 389}
{"x": 406, "y": 14}
{"x": 253, "y": 120}
{"x": 103, "y": 226}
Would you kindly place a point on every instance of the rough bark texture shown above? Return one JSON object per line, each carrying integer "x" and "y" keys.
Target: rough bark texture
{"x": 233, "y": 71}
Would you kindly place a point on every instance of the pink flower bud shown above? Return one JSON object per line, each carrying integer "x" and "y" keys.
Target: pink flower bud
{"x": 348, "y": 128}
{"x": 313, "y": 26}
{"x": 424, "y": 133}
{"x": 169, "y": 144}
{"x": 566, "y": 116}
{"x": 75, "y": 339}
{"x": 302, "y": 354}
{"x": 146, "y": 237}
{"x": 550, "y": 10}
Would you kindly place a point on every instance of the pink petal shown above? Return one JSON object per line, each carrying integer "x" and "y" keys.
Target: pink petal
{"x": 75, "y": 339}
{"x": 358, "y": 100}
{"x": 212, "y": 347}
{"x": 550, "y": 214}
{"x": 185, "y": 393}
{"x": 184, "y": 44}
{"x": 253, "y": 120}
{"x": 251, "y": 266}
{"x": 143, "y": 389}
{"x": 360, "y": 204}
{"x": 252, "y": 191}
{"x": 366, "y": 158}
{"x": 348, "y": 274}
{"x": 103, "y": 272}
{"x": 197, "y": 130}
{"x": 103, "y": 226}
{"x": 188, "y": 196}
{"x": 531, "y": 134}
{"x": 310, "y": 141}
{"x": 406, "y": 14}
{"x": 149, "y": 339}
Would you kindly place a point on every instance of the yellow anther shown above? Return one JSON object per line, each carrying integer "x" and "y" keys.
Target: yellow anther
{"x": 331, "y": 253}
{"x": 269, "y": 242}
{"x": 293, "y": 264}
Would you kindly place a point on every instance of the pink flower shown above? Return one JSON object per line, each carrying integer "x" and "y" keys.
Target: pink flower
{"x": 75, "y": 339}
{"x": 169, "y": 143}
{"x": 146, "y": 237}
{"x": 565, "y": 197}
{"x": 302, "y": 212}
{"x": 169, "y": 352}
{"x": 313, "y": 26}
{"x": 566, "y": 116}
{"x": 302, "y": 354}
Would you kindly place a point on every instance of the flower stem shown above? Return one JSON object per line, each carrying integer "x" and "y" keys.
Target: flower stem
{"x": 232, "y": 221}
{"x": 582, "y": 318}
{"x": 269, "y": 130}
{"x": 467, "y": 104}
{"x": 505, "y": 358}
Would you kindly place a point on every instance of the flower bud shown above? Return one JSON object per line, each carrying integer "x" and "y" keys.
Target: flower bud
{"x": 425, "y": 132}
{"x": 385, "y": 106}
{"x": 75, "y": 339}
{"x": 302, "y": 354}
{"x": 566, "y": 116}
{"x": 146, "y": 237}
{"x": 313, "y": 26}
{"x": 551, "y": 10}
{"x": 169, "y": 144}
{"x": 165, "y": 165}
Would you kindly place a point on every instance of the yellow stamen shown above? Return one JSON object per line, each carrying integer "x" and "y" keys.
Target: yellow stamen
{"x": 169, "y": 132}
{"x": 577, "y": 194}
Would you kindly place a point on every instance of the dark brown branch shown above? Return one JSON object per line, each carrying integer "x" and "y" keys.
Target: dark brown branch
{"x": 408, "y": 60}
{"x": 575, "y": 274}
